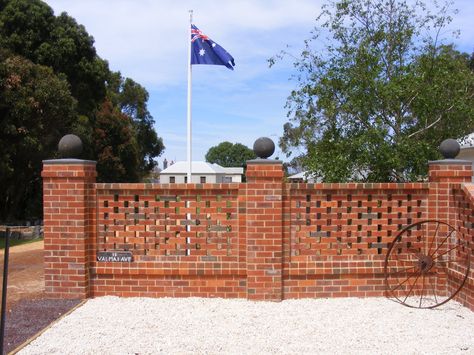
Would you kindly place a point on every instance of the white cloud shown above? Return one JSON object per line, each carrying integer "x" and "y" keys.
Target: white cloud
{"x": 147, "y": 41}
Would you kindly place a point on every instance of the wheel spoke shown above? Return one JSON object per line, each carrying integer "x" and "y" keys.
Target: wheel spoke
{"x": 422, "y": 291}
{"x": 400, "y": 271}
{"x": 411, "y": 289}
{"x": 415, "y": 252}
{"x": 446, "y": 252}
{"x": 451, "y": 261}
{"x": 444, "y": 240}
{"x": 434, "y": 238}
{"x": 400, "y": 284}
{"x": 406, "y": 261}
{"x": 434, "y": 293}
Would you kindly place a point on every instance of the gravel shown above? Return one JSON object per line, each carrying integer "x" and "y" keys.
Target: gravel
{"x": 112, "y": 325}
{"x": 28, "y": 317}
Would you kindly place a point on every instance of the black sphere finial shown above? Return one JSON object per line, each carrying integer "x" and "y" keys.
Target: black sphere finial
{"x": 449, "y": 148}
{"x": 264, "y": 147}
{"x": 70, "y": 146}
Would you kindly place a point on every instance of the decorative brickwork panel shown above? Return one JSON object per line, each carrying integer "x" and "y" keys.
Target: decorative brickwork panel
{"x": 464, "y": 209}
{"x": 339, "y": 235}
{"x": 358, "y": 221}
{"x": 165, "y": 224}
{"x": 464, "y": 199}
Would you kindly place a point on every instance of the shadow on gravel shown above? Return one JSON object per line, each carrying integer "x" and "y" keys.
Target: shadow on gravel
{"x": 28, "y": 317}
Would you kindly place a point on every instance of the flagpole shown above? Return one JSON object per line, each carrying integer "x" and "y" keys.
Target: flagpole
{"x": 189, "y": 99}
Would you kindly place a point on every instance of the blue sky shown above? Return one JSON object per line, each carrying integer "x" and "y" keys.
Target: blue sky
{"x": 147, "y": 41}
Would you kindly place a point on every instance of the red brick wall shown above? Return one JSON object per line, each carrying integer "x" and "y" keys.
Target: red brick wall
{"x": 464, "y": 207}
{"x": 69, "y": 224}
{"x": 264, "y": 191}
{"x": 185, "y": 240}
{"x": 262, "y": 240}
{"x": 339, "y": 235}
{"x": 446, "y": 178}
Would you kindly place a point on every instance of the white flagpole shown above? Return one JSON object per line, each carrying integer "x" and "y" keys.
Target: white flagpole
{"x": 189, "y": 98}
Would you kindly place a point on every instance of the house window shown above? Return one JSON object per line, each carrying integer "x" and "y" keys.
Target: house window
{"x": 172, "y": 180}
{"x": 227, "y": 179}
{"x": 203, "y": 179}
{"x": 185, "y": 179}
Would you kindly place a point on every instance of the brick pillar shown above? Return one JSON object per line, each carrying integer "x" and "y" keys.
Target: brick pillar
{"x": 264, "y": 229}
{"x": 69, "y": 214}
{"x": 442, "y": 175}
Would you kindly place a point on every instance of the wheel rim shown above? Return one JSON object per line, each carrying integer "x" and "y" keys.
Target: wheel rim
{"x": 426, "y": 265}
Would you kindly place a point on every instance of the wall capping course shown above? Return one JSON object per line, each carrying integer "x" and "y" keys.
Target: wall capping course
{"x": 449, "y": 162}
{"x": 69, "y": 162}
{"x": 261, "y": 161}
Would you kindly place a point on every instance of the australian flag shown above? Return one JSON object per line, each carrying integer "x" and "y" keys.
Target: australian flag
{"x": 205, "y": 51}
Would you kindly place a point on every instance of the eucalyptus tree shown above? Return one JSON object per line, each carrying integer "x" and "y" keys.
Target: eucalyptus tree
{"x": 379, "y": 86}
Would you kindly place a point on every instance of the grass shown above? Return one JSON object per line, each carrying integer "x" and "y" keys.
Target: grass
{"x": 14, "y": 242}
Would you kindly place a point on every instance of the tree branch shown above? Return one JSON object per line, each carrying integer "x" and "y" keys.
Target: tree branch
{"x": 432, "y": 123}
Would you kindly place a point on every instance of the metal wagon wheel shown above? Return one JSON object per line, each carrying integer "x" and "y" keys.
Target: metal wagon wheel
{"x": 426, "y": 265}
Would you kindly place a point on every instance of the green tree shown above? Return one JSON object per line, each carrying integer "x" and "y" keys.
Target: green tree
{"x": 132, "y": 100}
{"x": 116, "y": 147}
{"x": 30, "y": 29}
{"x": 376, "y": 97}
{"x": 60, "y": 75}
{"x": 230, "y": 155}
{"x": 36, "y": 110}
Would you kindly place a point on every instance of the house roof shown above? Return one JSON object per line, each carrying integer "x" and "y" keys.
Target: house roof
{"x": 200, "y": 167}
{"x": 305, "y": 176}
{"x": 234, "y": 170}
{"x": 300, "y": 175}
{"x": 218, "y": 169}
{"x": 467, "y": 142}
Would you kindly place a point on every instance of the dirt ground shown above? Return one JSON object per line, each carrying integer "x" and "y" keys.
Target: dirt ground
{"x": 28, "y": 309}
{"x": 25, "y": 272}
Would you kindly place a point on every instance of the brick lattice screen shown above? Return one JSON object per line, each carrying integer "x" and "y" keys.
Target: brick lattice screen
{"x": 339, "y": 235}
{"x": 161, "y": 224}
{"x": 358, "y": 221}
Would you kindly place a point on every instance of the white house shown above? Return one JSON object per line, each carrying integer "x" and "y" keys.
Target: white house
{"x": 202, "y": 172}
{"x": 301, "y": 177}
{"x": 467, "y": 149}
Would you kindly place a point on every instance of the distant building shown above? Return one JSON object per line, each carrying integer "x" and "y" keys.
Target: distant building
{"x": 202, "y": 172}
{"x": 467, "y": 150}
{"x": 301, "y": 177}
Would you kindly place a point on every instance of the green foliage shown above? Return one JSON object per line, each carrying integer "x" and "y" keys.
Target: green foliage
{"x": 15, "y": 242}
{"x": 132, "y": 99}
{"x": 30, "y": 29}
{"x": 52, "y": 82}
{"x": 374, "y": 103}
{"x": 36, "y": 109}
{"x": 116, "y": 146}
{"x": 230, "y": 155}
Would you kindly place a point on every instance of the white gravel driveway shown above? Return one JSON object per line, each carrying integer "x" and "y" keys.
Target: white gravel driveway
{"x": 111, "y": 325}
